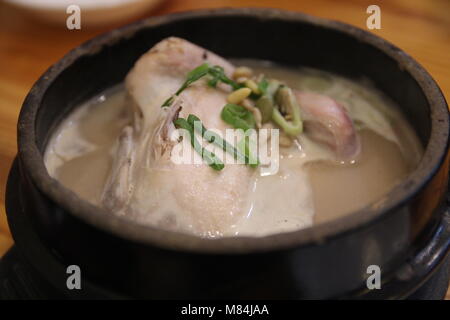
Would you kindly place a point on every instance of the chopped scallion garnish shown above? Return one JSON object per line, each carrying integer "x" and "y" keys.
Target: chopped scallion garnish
{"x": 216, "y": 72}
{"x": 209, "y": 157}
{"x": 238, "y": 117}
{"x": 215, "y": 138}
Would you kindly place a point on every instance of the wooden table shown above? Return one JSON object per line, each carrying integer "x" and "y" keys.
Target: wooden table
{"x": 28, "y": 48}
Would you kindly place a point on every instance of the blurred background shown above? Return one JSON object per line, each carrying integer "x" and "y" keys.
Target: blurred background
{"x": 34, "y": 35}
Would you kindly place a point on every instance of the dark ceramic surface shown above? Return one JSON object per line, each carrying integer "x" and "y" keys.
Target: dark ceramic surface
{"x": 327, "y": 260}
{"x": 30, "y": 270}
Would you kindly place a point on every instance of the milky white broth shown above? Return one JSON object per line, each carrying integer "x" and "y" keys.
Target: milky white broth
{"x": 80, "y": 153}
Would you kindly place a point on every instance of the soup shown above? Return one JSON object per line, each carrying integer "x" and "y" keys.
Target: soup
{"x": 337, "y": 145}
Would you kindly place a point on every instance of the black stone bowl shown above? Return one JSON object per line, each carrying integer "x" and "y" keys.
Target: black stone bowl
{"x": 406, "y": 233}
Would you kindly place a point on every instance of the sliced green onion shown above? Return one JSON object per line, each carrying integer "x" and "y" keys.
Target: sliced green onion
{"x": 244, "y": 147}
{"x": 216, "y": 72}
{"x": 191, "y": 77}
{"x": 213, "y": 137}
{"x": 209, "y": 157}
{"x": 238, "y": 117}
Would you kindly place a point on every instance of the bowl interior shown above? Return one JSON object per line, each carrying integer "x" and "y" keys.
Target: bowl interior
{"x": 287, "y": 38}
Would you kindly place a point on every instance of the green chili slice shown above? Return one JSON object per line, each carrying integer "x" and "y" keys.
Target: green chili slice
{"x": 286, "y": 98}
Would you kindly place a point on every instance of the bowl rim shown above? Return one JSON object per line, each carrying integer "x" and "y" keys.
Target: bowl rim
{"x": 434, "y": 153}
